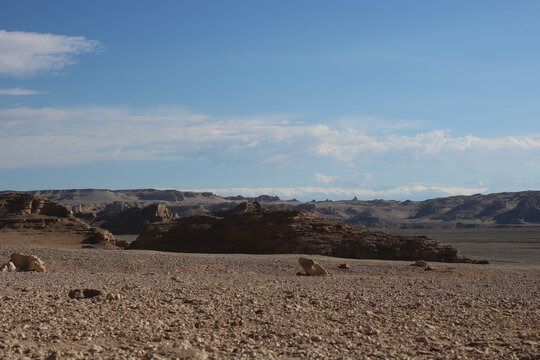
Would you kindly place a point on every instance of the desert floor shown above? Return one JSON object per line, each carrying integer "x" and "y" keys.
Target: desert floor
{"x": 200, "y": 306}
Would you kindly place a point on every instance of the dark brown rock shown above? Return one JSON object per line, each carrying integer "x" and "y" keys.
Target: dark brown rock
{"x": 527, "y": 210}
{"x": 278, "y": 231}
{"x": 84, "y": 293}
{"x": 134, "y": 219}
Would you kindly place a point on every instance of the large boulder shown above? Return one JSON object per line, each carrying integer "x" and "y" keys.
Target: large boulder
{"x": 254, "y": 230}
{"x": 27, "y": 262}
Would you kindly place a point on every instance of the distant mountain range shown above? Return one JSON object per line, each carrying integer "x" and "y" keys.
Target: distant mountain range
{"x": 501, "y": 209}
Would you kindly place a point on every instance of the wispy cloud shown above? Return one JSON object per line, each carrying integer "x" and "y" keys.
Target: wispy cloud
{"x": 325, "y": 179}
{"x": 55, "y": 136}
{"x": 28, "y": 53}
{"x": 341, "y": 193}
{"x": 59, "y": 136}
{"x": 20, "y": 91}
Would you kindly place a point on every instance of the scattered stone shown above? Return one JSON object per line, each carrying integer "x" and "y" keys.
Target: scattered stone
{"x": 371, "y": 331}
{"x": 350, "y": 296}
{"x": 316, "y": 338}
{"x": 96, "y": 349}
{"x": 428, "y": 268}
{"x": 422, "y": 339}
{"x": 112, "y": 297}
{"x": 311, "y": 267}
{"x": 420, "y": 263}
{"x": 344, "y": 266}
{"x": 84, "y": 293}
{"x": 53, "y": 356}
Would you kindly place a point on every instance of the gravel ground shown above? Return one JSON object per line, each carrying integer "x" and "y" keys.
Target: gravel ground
{"x": 201, "y": 306}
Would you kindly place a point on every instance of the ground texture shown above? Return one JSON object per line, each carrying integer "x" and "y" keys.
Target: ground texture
{"x": 197, "y": 306}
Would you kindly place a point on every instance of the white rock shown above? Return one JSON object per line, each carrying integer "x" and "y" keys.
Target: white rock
{"x": 9, "y": 267}
{"x": 311, "y": 267}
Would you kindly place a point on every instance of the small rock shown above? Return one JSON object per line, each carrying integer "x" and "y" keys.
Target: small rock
{"x": 84, "y": 293}
{"x": 344, "y": 266}
{"x": 371, "y": 331}
{"x": 316, "y": 338}
{"x": 9, "y": 267}
{"x": 350, "y": 296}
{"x": 111, "y": 297}
{"x": 420, "y": 263}
{"x": 311, "y": 267}
{"x": 422, "y": 339}
{"x": 53, "y": 355}
{"x": 96, "y": 349}
{"x": 428, "y": 268}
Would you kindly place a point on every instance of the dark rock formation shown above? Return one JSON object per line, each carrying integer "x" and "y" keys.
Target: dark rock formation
{"x": 526, "y": 211}
{"x": 133, "y": 220}
{"x": 492, "y": 208}
{"x": 23, "y": 211}
{"x": 251, "y": 229}
{"x": 428, "y": 208}
{"x": 446, "y": 212}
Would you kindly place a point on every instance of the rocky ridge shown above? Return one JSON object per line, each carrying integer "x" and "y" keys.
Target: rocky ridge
{"x": 252, "y": 229}
{"x": 492, "y": 210}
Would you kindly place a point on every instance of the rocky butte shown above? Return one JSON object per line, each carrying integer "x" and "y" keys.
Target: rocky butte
{"x": 252, "y": 229}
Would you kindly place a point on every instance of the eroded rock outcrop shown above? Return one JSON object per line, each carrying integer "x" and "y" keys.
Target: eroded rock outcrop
{"x": 27, "y": 212}
{"x": 134, "y": 219}
{"x": 252, "y": 229}
{"x": 527, "y": 210}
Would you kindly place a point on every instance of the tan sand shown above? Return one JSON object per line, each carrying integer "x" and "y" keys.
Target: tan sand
{"x": 254, "y": 307}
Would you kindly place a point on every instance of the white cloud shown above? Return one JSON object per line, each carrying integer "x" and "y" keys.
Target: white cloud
{"x": 20, "y": 91}
{"x": 336, "y": 192}
{"x": 56, "y": 136}
{"x": 27, "y": 53}
{"x": 368, "y": 176}
{"x": 325, "y": 179}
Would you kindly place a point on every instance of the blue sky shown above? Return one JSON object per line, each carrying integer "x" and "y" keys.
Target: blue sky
{"x": 304, "y": 99}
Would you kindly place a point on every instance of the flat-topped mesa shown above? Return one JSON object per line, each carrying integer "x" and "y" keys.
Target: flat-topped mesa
{"x": 251, "y": 229}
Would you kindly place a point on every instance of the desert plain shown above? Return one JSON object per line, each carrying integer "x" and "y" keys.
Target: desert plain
{"x": 158, "y": 305}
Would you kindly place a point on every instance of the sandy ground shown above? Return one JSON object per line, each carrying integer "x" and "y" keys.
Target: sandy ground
{"x": 198, "y": 306}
